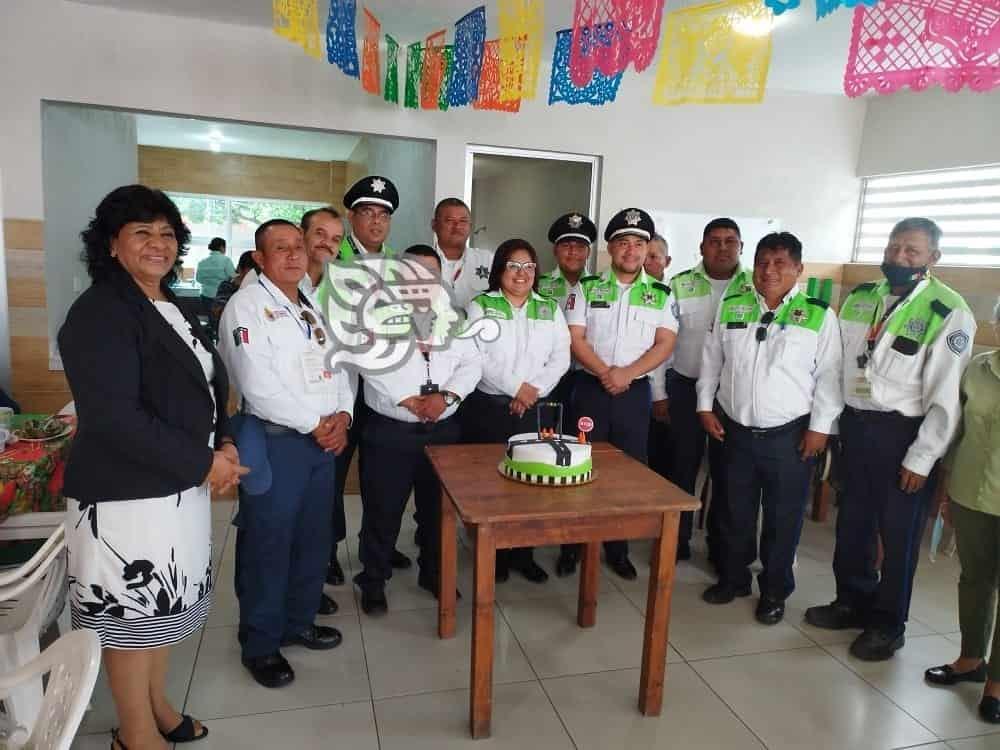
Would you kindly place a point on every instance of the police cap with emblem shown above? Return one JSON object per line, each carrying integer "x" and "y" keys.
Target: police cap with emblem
{"x": 630, "y": 221}
{"x": 373, "y": 189}
{"x": 573, "y": 226}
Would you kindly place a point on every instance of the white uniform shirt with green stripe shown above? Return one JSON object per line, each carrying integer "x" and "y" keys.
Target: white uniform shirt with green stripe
{"x": 532, "y": 348}
{"x": 793, "y": 372}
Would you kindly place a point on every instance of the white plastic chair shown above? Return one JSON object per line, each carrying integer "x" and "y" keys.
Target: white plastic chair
{"x": 72, "y": 664}
{"x": 31, "y": 597}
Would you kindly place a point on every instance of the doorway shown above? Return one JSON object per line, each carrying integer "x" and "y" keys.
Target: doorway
{"x": 520, "y": 192}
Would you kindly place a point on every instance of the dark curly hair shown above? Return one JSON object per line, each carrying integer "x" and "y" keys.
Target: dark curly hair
{"x": 119, "y": 207}
{"x": 502, "y": 255}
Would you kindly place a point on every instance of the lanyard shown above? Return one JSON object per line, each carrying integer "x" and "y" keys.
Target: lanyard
{"x": 426, "y": 354}
{"x": 299, "y": 320}
{"x": 876, "y": 328}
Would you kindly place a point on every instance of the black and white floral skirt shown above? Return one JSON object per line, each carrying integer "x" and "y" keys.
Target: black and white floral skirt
{"x": 140, "y": 571}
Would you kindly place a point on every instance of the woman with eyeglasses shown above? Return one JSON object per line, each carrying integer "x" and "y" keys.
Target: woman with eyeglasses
{"x": 520, "y": 367}
{"x": 153, "y": 441}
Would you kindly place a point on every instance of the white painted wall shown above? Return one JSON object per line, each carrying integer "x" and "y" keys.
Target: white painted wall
{"x": 410, "y": 165}
{"x": 933, "y": 129}
{"x": 793, "y": 156}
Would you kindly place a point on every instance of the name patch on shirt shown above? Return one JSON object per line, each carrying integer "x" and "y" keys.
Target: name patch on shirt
{"x": 273, "y": 315}
{"x": 599, "y": 304}
{"x": 740, "y": 312}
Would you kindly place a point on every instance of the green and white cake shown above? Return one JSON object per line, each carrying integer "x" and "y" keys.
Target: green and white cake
{"x": 559, "y": 460}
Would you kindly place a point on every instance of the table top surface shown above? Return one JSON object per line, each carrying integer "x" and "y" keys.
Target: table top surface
{"x": 481, "y": 494}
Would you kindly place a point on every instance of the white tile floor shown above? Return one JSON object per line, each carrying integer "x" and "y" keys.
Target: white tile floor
{"x": 731, "y": 683}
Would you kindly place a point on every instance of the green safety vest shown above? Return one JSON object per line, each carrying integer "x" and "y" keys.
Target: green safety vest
{"x": 348, "y": 250}
{"x": 743, "y": 309}
{"x": 495, "y": 305}
{"x": 553, "y": 284}
{"x": 693, "y": 284}
{"x": 644, "y": 292}
{"x": 919, "y": 319}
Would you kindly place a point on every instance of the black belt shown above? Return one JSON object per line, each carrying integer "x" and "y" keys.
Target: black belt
{"x": 683, "y": 378}
{"x": 870, "y": 415}
{"x": 274, "y": 429}
{"x": 769, "y": 431}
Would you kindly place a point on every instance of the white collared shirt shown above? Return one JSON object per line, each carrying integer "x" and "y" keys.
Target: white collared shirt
{"x": 457, "y": 369}
{"x": 468, "y": 276}
{"x": 791, "y": 373}
{"x": 619, "y": 332}
{"x": 262, "y": 340}
{"x": 528, "y": 350}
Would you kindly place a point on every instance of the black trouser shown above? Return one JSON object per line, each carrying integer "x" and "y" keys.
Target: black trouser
{"x": 621, "y": 420}
{"x": 871, "y": 506}
{"x": 487, "y": 419}
{"x": 563, "y": 393}
{"x": 338, "y": 520}
{"x": 395, "y": 464}
{"x": 764, "y": 466}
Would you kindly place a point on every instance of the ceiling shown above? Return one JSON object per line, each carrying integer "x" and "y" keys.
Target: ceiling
{"x": 237, "y": 138}
{"x": 808, "y": 55}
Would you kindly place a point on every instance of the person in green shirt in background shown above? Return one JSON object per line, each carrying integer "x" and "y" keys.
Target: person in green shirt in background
{"x": 213, "y": 270}
{"x": 971, "y": 496}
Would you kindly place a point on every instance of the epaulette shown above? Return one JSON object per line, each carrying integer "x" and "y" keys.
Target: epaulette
{"x": 660, "y": 285}
{"x": 732, "y": 296}
{"x": 940, "y": 308}
{"x": 683, "y": 273}
{"x": 818, "y": 302}
{"x": 593, "y": 277}
{"x": 866, "y": 287}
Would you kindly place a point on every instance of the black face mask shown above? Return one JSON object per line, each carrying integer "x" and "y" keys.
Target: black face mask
{"x": 898, "y": 276}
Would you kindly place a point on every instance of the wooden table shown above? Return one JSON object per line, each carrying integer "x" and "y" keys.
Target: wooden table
{"x": 626, "y": 501}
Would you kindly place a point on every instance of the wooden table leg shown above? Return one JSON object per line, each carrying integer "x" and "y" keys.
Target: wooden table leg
{"x": 448, "y": 569}
{"x": 654, "y": 647}
{"x": 586, "y": 613}
{"x": 481, "y": 703}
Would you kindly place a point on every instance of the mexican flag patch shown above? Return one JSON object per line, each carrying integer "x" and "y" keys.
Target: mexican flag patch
{"x": 241, "y": 336}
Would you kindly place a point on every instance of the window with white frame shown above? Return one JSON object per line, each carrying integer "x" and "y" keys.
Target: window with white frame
{"x": 233, "y": 219}
{"x": 965, "y": 203}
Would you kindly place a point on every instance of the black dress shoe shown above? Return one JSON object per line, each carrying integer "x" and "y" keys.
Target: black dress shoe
{"x": 373, "y": 602}
{"x": 769, "y": 611}
{"x": 723, "y": 593}
{"x": 877, "y": 644}
{"x": 989, "y": 709}
{"x": 271, "y": 671}
{"x": 315, "y": 638}
{"x": 623, "y": 567}
{"x": 945, "y": 675}
{"x": 400, "y": 561}
{"x": 566, "y": 564}
{"x": 335, "y": 573}
{"x": 836, "y": 615}
{"x": 429, "y": 583}
{"x": 533, "y": 572}
{"x": 683, "y": 549}
{"x": 327, "y": 606}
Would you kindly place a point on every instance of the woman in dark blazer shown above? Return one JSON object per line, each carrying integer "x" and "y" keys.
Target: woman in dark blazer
{"x": 152, "y": 441}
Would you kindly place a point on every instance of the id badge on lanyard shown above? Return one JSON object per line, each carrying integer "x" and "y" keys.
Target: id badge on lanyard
{"x": 315, "y": 372}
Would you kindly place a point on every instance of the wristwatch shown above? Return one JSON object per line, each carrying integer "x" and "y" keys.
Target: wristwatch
{"x": 450, "y": 399}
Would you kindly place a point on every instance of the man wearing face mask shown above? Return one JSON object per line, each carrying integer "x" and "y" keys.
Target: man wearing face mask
{"x": 907, "y": 340}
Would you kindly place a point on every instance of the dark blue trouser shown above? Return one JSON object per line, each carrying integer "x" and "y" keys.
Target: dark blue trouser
{"x": 283, "y": 544}
{"x": 343, "y": 463}
{"x": 688, "y": 449}
{"x": 764, "y": 467}
{"x": 621, "y": 420}
{"x": 873, "y": 506}
{"x": 396, "y": 465}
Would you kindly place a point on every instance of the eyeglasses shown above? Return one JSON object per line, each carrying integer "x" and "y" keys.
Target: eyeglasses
{"x": 765, "y": 320}
{"x": 369, "y": 213}
{"x": 317, "y": 329}
{"x": 528, "y": 266}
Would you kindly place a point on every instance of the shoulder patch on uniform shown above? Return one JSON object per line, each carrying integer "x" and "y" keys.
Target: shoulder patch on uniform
{"x": 958, "y": 341}
{"x": 662, "y": 286}
{"x": 818, "y": 302}
{"x": 941, "y": 309}
{"x": 683, "y": 273}
{"x": 867, "y": 286}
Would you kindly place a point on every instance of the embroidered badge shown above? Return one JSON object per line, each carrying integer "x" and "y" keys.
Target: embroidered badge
{"x": 798, "y": 315}
{"x": 632, "y": 218}
{"x": 863, "y": 308}
{"x": 544, "y": 312}
{"x": 957, "y": 341}
{"x": 482, "y": 272}
{"x": 494, "y": 313}
{"x": 648, "y": 298}
{"x": 241, "y": 336}
{"x": 378, "y": 185}
{"x": 575, "y": 221}
{"x": 916, "y": 327}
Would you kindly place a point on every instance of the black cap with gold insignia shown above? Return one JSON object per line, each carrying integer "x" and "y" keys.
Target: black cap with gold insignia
{"x": 573, "y": 226}
{"x": 372, "y": 189}
{"x": 633, "y": 221}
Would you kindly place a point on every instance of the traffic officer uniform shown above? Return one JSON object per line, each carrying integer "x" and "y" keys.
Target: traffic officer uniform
{"x": 695, "y": 296}
{"x": 275, "y": 349}
{"x": 775, "y": 375}
{"x": 533, "y": 347}
{"x": 467, "y": 277}
{"x": 555, "y": 285}
{"x": 621, "y": 323}
{"x": 393, "y": 444}
{"x": 378, "y": 191}
{"x": 903, "y": 361}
